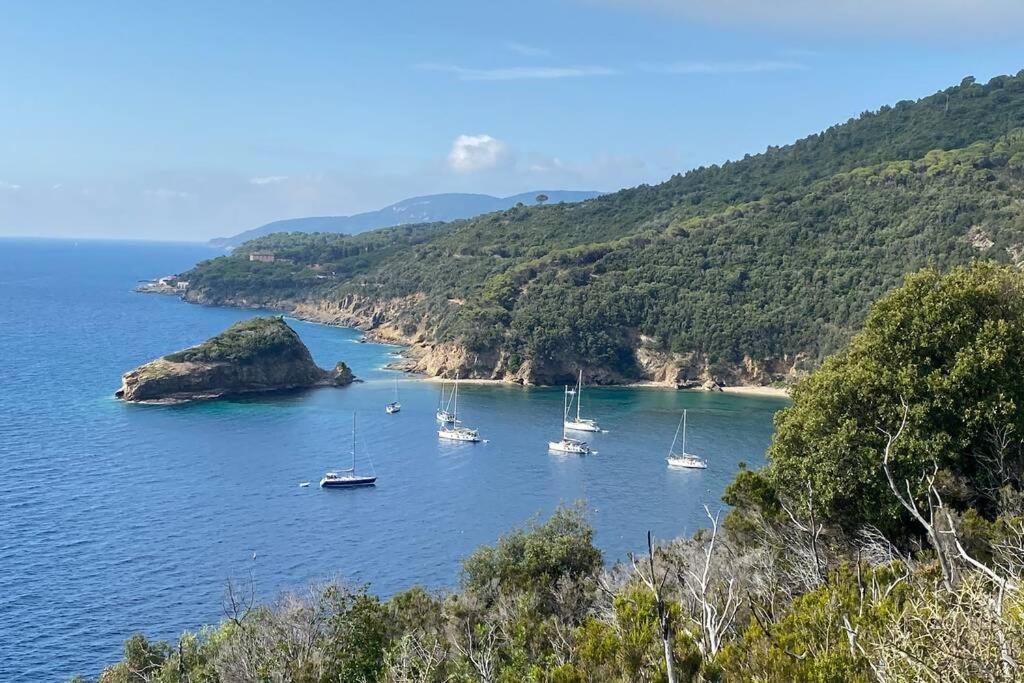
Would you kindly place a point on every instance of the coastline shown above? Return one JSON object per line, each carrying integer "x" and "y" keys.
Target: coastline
{"x": 739, "y": 390}
{"x": 406, "y": 364}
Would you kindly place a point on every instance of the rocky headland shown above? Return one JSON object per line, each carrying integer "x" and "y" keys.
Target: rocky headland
{"x": 257, "y": 355}
{"x": 395, "y": 321}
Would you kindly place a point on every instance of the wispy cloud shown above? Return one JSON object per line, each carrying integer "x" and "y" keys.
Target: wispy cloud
{"x": 750, "y": 67}
{"x": 12, "y": 187}
{"x": 268, "y": 180}
{"x": 518, "y": 73}
{"x": 527, "y": 50}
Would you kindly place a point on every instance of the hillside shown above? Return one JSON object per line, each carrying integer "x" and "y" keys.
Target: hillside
{"x": 744, "y": 271}
{"x": 428, "y": 209}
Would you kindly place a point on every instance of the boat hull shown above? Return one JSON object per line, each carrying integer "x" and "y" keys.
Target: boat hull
{"x": 559, "y": 447}
{"x": 686, "y": 465}
{"x": 456, "y": 436}
{"x": 352, "y": 482}
{"x": 582, "y": 426}
{"x": 392, "y": 408}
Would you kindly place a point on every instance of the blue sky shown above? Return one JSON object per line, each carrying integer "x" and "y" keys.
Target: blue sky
{"x": 188, "y": 120}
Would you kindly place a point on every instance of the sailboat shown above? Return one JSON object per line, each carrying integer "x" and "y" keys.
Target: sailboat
{"x": 580, "y": 424}
{"x": 683, "y": 459}
{"x": 450, "y": 429}
{"x": 394, "y": 406}
{"x": 568, "y": 445}
{"x": 444, "y": 414}
{"x": 348, "y": 478}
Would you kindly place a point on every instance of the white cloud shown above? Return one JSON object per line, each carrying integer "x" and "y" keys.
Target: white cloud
{"x": 472, "y": 153}
{"x": 516, "y": 73}
{"x": 887, "y": 17}
{"x": 527, "y": 50}
{"x": 268, "y": 180}
{"x": 725, "y": 67}
{"x": 4, "y": 185}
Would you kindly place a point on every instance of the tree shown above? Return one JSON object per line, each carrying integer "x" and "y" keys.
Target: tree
{"x": 949, "y": 347}
{"x": 541, "y": 198}
{"x": 536, "y": 557}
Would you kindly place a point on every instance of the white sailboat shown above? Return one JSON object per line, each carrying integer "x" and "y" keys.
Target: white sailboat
{"x": 394, "y": 406}
{"x": 452, "y": 430}
{"x": 348, "y": 478}
{"x": 580, "y": 424}
{"x": 566, "y": 444}
{"x": 684, "y": 460}
{"x": 444, "y": 414}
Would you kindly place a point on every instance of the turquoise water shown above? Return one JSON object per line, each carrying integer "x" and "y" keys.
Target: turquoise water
{"x": 119, "y": 518}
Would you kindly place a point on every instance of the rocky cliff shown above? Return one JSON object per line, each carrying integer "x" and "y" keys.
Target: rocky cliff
{"x": 256, "y": 355}
{"x": 395, "y": 321}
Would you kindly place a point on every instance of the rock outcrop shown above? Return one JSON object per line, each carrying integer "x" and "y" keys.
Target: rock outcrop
{"x": 255, "y": 355}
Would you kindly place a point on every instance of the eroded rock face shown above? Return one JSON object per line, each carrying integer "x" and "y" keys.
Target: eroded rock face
{"x": 257, "y": 355}
{"x": 401, "y": 320}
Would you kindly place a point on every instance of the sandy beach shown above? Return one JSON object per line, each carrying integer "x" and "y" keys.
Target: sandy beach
{"x": 774, "y": 392}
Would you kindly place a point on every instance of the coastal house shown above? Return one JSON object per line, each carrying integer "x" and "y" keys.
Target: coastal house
{"x": 181, "y": 285}
{"x": 262, "y": 256}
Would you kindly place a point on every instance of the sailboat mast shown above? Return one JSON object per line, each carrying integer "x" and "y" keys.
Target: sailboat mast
{"x": 684, "y": 432}
{"x": 565, "y": 409}
{"x": 579, "y": 396}
{"x": 353, "y": 441}
{"x": 672, "y": 448}
{"x": 455, "y": 394}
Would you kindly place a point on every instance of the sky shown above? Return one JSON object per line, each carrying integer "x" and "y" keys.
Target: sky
{"x": 195, "y": 119}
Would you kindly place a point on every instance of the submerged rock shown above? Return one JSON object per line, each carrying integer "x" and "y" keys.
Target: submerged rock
{"x": 251, "y": 356}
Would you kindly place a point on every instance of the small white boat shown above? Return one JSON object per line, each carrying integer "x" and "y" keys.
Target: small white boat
{"x": 348, "y": 478}
{"x": 303, "y": 484}
{"x": 394, "y": 406}
{"x": 450, "y": 430}
{"x": 580, "y": 424}
{"x": 444, "y": 414}
{"x": 684, "y": 460}
{"x": 566, "y": 444}
{"x": 573, "y": 446}
{"x": 458, "y": 434}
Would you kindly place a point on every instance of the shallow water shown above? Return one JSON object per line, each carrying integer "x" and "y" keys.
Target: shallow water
{"x": 119, "y": 518}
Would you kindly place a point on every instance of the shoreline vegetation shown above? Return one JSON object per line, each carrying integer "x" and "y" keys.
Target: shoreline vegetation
{"x": 748, "y": 273}
{"x": 883, "y": 541}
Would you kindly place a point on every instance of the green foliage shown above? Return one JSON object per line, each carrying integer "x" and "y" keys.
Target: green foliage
{"x": 771, "y": 256}
{"x": 535, "y": 557}
{"x": 810, "y": 641}
{"x": 247, "y": 341}
{"x": 952, "y": 348}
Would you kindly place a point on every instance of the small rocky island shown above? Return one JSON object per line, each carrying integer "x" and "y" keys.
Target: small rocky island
{"x": 256, "y": 355}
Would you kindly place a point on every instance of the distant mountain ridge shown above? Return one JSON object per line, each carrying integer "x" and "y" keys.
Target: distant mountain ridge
{"x": 426, "y": 209}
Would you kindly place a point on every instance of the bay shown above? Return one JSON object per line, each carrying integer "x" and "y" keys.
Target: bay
{"x": 120, "y": 518}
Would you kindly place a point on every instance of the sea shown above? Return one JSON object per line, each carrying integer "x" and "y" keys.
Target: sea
{"x": 117, "y": 519}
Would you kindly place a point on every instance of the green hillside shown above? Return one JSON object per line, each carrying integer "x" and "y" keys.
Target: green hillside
{"x": 772, "y": 256}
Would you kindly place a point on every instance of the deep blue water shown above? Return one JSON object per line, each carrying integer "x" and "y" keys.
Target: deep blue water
{"x": 120, "y": 518}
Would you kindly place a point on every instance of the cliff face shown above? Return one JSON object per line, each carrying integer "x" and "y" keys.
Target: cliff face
{"x": 388, "y": 320}
{"x": 257, "y": 355}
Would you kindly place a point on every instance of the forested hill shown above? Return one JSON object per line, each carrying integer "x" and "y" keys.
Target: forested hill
{"x": 740, "y": 270}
